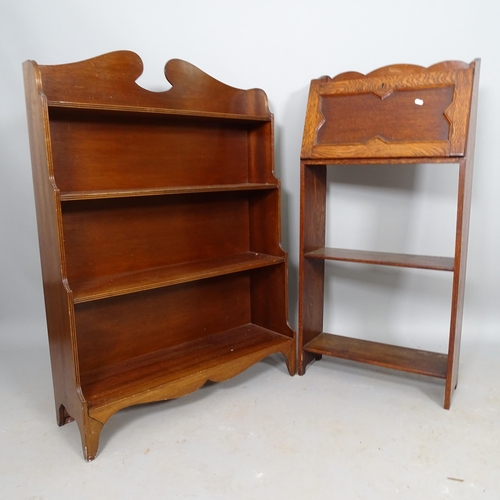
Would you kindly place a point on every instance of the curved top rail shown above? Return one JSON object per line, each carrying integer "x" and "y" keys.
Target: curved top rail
{"x": 110, "y": 79}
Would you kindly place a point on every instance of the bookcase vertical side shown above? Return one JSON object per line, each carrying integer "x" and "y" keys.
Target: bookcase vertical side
{"x": 69, "y": 401}
{"x": 269, "y": 287}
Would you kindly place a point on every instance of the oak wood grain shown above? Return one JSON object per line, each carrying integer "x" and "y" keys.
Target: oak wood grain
{"x": 375, "y": 353}
{"x": 399, "y": 114}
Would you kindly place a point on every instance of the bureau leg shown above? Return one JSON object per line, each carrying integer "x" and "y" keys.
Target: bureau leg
{"x": 305, "y": 359}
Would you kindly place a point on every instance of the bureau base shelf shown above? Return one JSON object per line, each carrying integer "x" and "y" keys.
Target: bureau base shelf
{"x": 375, "y": 353}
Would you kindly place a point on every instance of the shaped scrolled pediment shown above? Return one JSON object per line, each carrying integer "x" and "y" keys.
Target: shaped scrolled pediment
{"x": 414, "y": 111}
{"x": 110, "y": 80}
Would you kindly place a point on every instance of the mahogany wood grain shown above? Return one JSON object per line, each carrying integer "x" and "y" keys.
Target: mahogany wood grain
{"x": 157, "y": 277}
{"x": 159, "y": 226}
{"x": 130, "y": 193}
{"x": 107, "y": 237}
{"x": 400, "y": 114}
{"x": 133, "y": 379}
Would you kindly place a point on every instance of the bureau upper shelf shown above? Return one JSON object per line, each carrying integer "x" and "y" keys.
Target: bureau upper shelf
{"x": 384, "y": 258}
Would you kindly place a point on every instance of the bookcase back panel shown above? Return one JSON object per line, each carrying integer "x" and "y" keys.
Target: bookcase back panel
{"x": 113, "y": 330}
{"x": 106, "y": 237}
{"x": 129, "y": 152}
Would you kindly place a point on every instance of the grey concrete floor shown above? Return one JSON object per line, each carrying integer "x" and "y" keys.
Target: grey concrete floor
{"x": 342, "y": 431}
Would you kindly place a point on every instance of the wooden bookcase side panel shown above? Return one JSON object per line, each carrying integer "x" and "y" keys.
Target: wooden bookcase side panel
{"x": 116, "y": 236}
{"x": 113, "y": 330}
{"x": 58, "y": 299}
{"x": 261, "y": 154}
{"x": 112, "y": 152}
{"x": 265, "y": 222}
{"x": 268, "y": 294}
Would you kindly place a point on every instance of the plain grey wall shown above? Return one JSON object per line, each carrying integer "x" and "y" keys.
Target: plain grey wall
{"x": 280, "y": 46}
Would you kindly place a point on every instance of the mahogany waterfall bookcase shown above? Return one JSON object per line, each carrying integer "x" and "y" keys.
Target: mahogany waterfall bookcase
{"x": 399, "y": 114}
{"x": 159, "y": 227}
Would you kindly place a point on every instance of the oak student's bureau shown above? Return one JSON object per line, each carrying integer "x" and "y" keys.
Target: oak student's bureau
{"x": 400, "y": 114}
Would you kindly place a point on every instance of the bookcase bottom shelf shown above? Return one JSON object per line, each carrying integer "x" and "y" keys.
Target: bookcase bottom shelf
{"x": 177, "y": 371}
{"x": 388, "y": 356}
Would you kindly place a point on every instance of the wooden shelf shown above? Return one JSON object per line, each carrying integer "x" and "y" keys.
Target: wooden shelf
{"x": 383, "y": 258}
{"x": 84, "y": 106}
{"x": 379, "y": 354}
{"x": 129, "y": 193}
{"x": 139, "y": 379}
{"x": 138, "y": 281}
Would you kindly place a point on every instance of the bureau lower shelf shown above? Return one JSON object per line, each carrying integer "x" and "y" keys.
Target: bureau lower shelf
{"x": 383, "y": 258}
{"x": 375, "y": 353}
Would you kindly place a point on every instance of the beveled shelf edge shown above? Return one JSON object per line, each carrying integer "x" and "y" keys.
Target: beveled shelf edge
{"x": 139, "y": 281}
{"x": 383, "y": 258}
{"x": 385, "y": 355}
{"x": 129, "y": 193}
{"x": 156, "y": 111}
{"x": 219, "y": 357}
